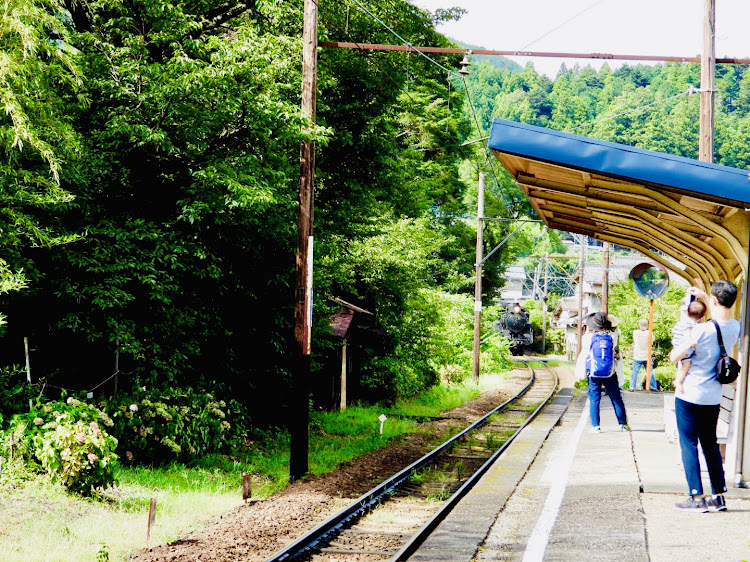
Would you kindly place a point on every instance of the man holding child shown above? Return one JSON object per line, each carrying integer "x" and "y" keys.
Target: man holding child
{"x": 697, "y": 402}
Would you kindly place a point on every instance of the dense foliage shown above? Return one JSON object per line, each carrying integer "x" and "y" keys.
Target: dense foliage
{"x": 174, "y": 424}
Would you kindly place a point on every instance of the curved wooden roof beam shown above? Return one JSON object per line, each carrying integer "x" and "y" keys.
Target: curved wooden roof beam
{"x": 696, "y": 278}
{"x": 739, "y": 253}
{"x": 619, "y": 196}
{"x": 626, "y": 234}
{"x": 678, "y": 251}
{"x": 559, "y": 212}
{"x": 684, "y": 243}
{"x": 722, "y": 265}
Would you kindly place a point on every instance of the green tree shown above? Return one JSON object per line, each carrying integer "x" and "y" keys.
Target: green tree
{"x": 38, "y": 72}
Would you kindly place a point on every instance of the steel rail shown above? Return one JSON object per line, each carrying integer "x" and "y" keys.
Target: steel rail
{"x": 310, "y": 540}
{"x": 426, "y": 530}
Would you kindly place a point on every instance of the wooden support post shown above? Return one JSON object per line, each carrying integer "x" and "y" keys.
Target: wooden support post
{"x": 117, "y": 366}
{"x": 342, "y": 405}
{"x": 151, "y": 518}
{"x": 605, "y": 279}
{"x": 581, "y": 263}
{"x": 742, "y": 454}
{"x": 478, "y": 281}
{"x": 544, "y": 301}
{"x": 247, "y": 486}
{"x": 28, "y": 367}
{"x": 300, "y": 415}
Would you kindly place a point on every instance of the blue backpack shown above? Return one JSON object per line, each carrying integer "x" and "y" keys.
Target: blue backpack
{"x": 601, "y": 357}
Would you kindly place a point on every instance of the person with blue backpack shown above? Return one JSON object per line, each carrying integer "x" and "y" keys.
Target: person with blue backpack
{"x": 600, "y": 370}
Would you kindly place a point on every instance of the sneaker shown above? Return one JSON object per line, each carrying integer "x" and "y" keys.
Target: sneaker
{"x": 595, "y": 429}
{"x": 624, "y": 427}
{"x": 716, "y": 503}
{"x": 697, "y": 505}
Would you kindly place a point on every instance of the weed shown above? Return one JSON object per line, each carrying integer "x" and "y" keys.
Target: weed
{"x": 103, "y": 554}
{"x": 416, "y": 478}
{"x": 491, "y": 441}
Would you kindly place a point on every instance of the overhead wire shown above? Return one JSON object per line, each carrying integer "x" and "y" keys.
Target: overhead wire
{"x": 561, "y": 25}
{"x": 488, "y": 156}
{"x": 691, "y": 90}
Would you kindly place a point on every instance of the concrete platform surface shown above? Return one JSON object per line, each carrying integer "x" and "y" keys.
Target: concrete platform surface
{"x": 582, "y": 496}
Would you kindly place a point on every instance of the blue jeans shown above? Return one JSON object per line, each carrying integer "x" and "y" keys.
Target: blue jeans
{"x": 613, "y": 391}
{"x": 695, "y": 423}
{"x": 637, "y": 369}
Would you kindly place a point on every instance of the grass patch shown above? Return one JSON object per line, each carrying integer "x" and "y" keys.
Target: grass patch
{"x": 40, "y": 521}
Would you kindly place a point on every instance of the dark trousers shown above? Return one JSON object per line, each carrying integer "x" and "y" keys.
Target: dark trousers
{"x": 697, "y": 423}
{"x": 613, "y": 391}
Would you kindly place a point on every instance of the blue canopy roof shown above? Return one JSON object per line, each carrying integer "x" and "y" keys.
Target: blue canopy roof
{"x": 713, "y": 181}
{"x": 694, "y": 212}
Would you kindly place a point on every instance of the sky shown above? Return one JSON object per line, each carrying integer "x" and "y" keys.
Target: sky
{"x": 633, "y": 27}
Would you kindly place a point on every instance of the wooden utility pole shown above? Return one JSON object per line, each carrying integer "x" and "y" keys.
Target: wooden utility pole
{"x": 605, "y": 279}
{"x": 708, "y": 72}
{"x": 478, "y": 280}
{"x": 544, "y": 301}
{"x": 581, "y": 263}
{"x": 300, "y": 416}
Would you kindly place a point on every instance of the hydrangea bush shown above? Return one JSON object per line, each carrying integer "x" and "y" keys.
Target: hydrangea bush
{"x": 77, "y": 453}
{"x": 70, "y": 442}
{"x": 174, "y": 424}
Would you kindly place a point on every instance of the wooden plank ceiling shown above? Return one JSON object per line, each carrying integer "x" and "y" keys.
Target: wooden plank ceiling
{"x": 706, "y": 235}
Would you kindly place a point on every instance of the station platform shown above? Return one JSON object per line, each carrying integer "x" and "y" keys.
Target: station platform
{"x": 561, "y": 493}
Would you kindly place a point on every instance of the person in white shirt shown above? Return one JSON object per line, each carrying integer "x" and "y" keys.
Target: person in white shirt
{"x": 640, "y": 355}
{"x": 697, "y": 405}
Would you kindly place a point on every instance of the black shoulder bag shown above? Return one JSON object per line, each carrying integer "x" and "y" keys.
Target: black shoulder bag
{"x": 726, "y": 368}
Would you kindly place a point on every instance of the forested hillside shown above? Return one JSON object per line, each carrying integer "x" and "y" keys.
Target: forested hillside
{"x": 151, "y": 174}
{"x": 652, "y": 107}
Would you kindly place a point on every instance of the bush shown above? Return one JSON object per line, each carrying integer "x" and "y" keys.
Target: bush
{"x": 556, "y": 340}
{"x": 78, "y": 454}
{"x": 174, "y": 424}
{"x": 68, "y": 440}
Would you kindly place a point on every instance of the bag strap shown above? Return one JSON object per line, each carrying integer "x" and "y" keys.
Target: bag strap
{"x": 722, "y": 351}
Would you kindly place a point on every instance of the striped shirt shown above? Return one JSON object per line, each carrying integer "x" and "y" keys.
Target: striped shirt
{"x": 681, "y": 329}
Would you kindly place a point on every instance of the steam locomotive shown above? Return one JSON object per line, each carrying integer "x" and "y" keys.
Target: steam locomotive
{"x": 514, "y": 325}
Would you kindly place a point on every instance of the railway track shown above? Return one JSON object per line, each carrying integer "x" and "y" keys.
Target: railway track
{"x": 390, "y": 521}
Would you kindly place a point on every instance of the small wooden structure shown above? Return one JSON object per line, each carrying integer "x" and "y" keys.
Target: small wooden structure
{"x": 340, "y": 324}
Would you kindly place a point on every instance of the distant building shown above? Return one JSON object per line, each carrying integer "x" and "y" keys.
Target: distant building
{"x": 515, "y": 284}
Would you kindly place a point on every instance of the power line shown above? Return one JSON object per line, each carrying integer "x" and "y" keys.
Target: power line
{"x": 409, "y": 46}
{"x": 691, "y": 90}
{"x": 562, "y": 24}
{"x": 404, "y": 41}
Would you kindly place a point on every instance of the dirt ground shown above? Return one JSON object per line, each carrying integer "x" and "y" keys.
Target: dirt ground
{"x": 257, "y": 530}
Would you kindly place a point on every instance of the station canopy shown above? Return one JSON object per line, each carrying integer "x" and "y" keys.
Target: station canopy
{"x": 664, "y": 206}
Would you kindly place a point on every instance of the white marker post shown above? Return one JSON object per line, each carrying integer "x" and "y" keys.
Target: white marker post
{"x": 382, "y": 418}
